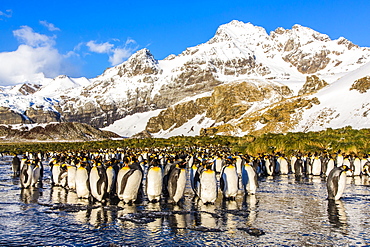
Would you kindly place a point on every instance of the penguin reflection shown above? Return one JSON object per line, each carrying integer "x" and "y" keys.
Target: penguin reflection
{"x": 59, "y": 195}
{"x": 207, "y": 215}
{"x": 177, "y": 220}
{"x": 99, "y": 217}
{"x": 337, "y": 214}
{"x": 230, "y": 219}
{"x": 157, "y": 223}
{"x": 126, "y": 209}
{"x": 30, "y": 195}
{"x": 250, "y": 205}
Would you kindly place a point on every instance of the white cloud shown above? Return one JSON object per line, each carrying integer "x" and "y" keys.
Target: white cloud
{"x": 119, "y": 55}
{"x": 99, "y": 48}
{"x": 49, "y": 26}
{"x": 8, "y": 13}
{"x": 35, "y": 56}
{"x": 27, "y": 36}
{"x": 116, "y": 54}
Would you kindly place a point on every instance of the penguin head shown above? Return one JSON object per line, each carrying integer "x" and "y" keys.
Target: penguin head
{"x": 229, "y": 160}
{"x": 154, "y": 162}
{"x": 346, "y": 168}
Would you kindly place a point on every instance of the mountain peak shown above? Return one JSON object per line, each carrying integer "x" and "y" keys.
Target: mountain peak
{"x": 238, "y": 30}
{"x": 141, "y": 62}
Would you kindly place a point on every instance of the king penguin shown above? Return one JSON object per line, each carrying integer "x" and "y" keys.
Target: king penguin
{"x": 357, "y": 166}
{"x": 35, "y": 173}
{"x": 316, "y": 166}
{"x": 298, "y": 167}
{"x": 16, "y": 166}
{"x": 175, "y": 180}
{"x": 26, "y": 175}
{"x": 229, "y": 180}
{"x": 195, "y": 170}
{"x": 283, "y": 164}
{"x": 82, "y": 181}
{"x": 153, "y": 186}
{"x": 249, "y": 179}
{"x": 71, "y": 175}
{"x": 336, "y": 182}
{"x": 55, "y": 171}
{"x": 111, "y": 170}
{"x": 98, "y": 181}
{"x": 207, "y": 184}
{"x": 129, "y": 181}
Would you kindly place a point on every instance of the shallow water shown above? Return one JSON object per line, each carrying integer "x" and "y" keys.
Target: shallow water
{"x": 284, "y": 212}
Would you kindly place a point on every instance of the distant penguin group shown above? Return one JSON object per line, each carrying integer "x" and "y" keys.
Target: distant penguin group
{"x": 130, "y": 175}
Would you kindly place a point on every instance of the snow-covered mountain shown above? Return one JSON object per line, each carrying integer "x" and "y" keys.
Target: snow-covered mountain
{"x": 243, "y": 80}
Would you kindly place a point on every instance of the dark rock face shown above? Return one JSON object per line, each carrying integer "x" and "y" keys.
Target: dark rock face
{"x": 42, "y": 116}
{"x": 27, "y": 88}
{"x": 10, "y": 117}
{"x": 313, "y": 84}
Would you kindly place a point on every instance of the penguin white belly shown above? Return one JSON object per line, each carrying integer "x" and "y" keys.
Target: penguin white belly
{"x": 26, "y": 176}
{"x": 132, "y": 187}
{"x": 154, "y": 183}
{"x": 218, "y": 164}
{"x": 55, "y": 174}
{"x": 71, "y": 176}
{"x": 93, "y": 181}
{"x": 340, "y": 160}
{"x": 238, "y": 165}
{"x": 208, "y": 186}
{"x": 330, "y": 166}
{"x": 35, "y": 175}
{"x": 180, "y": 188}
{"x": 341, "y": 185}
{"x": 292, "y": 162}
{"x": 63, "y": 179}
{"x": 230, "y": 178}
{"x": 316, "y": 167}
{"x": 357, "y": 167}
{"x": 249, "y": 180}
{"x": 120, "y": 176}
{"x": 82, "y": 188}
{"x": 111, "y": 177}
{"x": 283, "y": 166}
{"x": 268, "y": 167}
{"x": 191, "y": 161}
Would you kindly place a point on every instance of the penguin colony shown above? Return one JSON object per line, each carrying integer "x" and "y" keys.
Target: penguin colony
{"x": 129, "y": 174}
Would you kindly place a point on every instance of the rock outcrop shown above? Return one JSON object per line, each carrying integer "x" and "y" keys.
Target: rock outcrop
{"x": 361, "y": 85}
{"x": 313, "y": 84}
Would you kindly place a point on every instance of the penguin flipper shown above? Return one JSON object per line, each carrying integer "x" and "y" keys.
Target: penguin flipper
{"x": 124, "y": 180}
{"x": 222, "y": 183}
{"x": 172, "y": 183}
{"x": 197, "y": 183}
{"x": 335, "y": 183}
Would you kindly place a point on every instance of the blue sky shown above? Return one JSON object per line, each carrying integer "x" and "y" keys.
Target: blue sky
{"x": 83, "y": 38}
